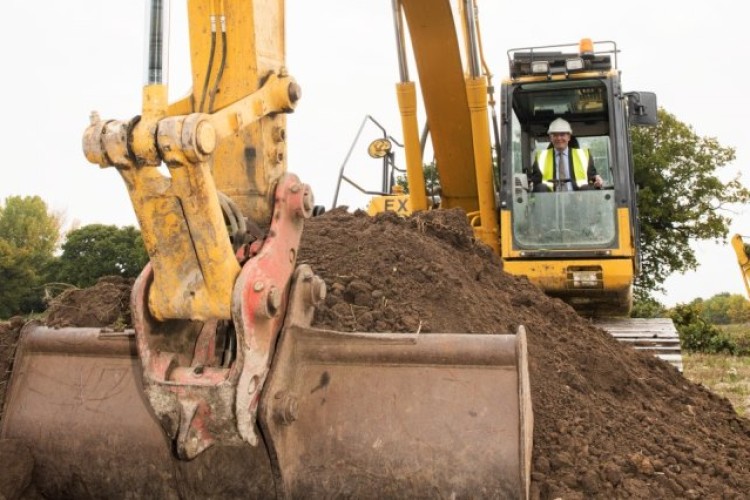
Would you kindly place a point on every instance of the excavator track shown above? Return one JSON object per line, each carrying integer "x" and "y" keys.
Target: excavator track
{"x": 654, "y": 335}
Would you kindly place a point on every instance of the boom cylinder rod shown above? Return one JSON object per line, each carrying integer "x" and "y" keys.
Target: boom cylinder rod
{"x": 398, "y": 23}
{"x": 472, "y": 34}
{"x": 157, "y": 44}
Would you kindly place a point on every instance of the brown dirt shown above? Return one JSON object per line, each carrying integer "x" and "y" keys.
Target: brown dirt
{"x": 609, "y": 422}
{"x": 106, "y": 304}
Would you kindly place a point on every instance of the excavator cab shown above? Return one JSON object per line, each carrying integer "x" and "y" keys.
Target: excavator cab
{"x": 580, "y": 245}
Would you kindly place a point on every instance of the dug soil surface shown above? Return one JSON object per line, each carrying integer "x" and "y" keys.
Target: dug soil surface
{"x": 106, "y": 304}
{"x": 608, "y": 422}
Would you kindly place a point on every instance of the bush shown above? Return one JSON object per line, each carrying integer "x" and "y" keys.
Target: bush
{"x": 648, "y": 307}
{"x": 697, "y": 335}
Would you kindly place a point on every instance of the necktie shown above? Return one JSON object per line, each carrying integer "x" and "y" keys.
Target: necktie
{"x": 562, "y": 172}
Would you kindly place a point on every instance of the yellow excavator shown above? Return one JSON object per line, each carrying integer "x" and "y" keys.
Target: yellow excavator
{"x": 579, "y": 245}
{"x": 223, "y": 389}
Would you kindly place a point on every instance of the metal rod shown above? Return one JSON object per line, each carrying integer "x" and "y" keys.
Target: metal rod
{"x": 346, "y": 160}
{"x": 474, "y": 66}
{"x": 157, "y": 44}
{"x": 398, "y": 25}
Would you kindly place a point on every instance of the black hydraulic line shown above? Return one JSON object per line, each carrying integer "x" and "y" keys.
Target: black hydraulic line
{"x": 215, "y": 90}
{"x": 423, "y": 137}
{"x": 496, "y": 133}
{"x": 210, "y": 65}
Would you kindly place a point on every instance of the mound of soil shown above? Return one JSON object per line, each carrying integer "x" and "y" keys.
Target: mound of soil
{"x": 609, "y": 422}
{"x": 106, "y": 304}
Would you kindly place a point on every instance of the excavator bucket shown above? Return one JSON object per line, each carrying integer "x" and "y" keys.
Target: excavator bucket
{"x": 357, "y": 415}
{"x": 76, "y": 399}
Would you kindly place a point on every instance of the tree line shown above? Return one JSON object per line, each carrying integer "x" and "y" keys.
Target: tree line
{"x": 33, "y": 264}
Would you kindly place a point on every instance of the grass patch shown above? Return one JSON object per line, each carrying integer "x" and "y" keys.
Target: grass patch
{"x": 725, "y": 375}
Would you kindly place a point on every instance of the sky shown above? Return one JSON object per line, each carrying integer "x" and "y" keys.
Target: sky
{"x": 64, "y": 59}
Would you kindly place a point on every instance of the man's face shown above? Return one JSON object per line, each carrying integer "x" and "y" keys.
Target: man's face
{"x": 559, "y": 140}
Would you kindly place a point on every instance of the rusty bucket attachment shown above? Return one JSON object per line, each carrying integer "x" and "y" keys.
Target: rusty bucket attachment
{"x": 396, "y": 415}
{"x": 76, "y": 399}
{"x": 340, "y": 415}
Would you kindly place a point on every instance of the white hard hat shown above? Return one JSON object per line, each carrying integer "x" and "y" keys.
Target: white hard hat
{"x": 559, "y": 126}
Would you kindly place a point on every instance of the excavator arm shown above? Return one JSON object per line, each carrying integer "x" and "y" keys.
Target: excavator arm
{"x": 215, "y": 392}
{"x": 223, "y": 144}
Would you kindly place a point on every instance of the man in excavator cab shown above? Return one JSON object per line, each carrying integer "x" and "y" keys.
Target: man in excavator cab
{"x": 557, "y": 159}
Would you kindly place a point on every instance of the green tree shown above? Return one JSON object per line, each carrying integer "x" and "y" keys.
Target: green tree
{"x": 15, "y": 275}
{"x": 26, "y": 223}
{"x": 431, "y": 177}
{"x": 29, "y": 234}
{"x": 725, "y": 309}
{"x": 648, "y": 307}
{"x": 680, "y": 199}
{"x": 698, "y": 335}
{"x": 738, "y": 309}
{"x": 714, "y": 310}
{"x": 98, "y": 250}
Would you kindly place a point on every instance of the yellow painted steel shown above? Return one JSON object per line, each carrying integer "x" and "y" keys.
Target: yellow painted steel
{"x": 456, "y": 110}
{"x": 235, "y": 143}
{"x": 743, "y": 260}
{"x": 626, "y": 244}
{"x": 488, "y": 230}
{"x": 506, "y": 234}
{"x": 400, "y": 204}
{"x": 437, "y": 54}
{"x": 183, "y": 227}
{"x": 246, "y": 167}
{"x": 551, "y": 275}
{"x": 154, "y": 105}
{"x": 407, "y": 104}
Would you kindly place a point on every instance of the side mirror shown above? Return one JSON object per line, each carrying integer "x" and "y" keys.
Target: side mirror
{"x": 642, "y": 108}
{"x": 379, "y": 148}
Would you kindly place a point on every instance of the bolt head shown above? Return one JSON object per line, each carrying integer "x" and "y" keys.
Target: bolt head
{"x": 205, "y": 138}
{"x": 286, "y": 410}
{"x": 295, "y": 92}
{"x": 273, "y": 302}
